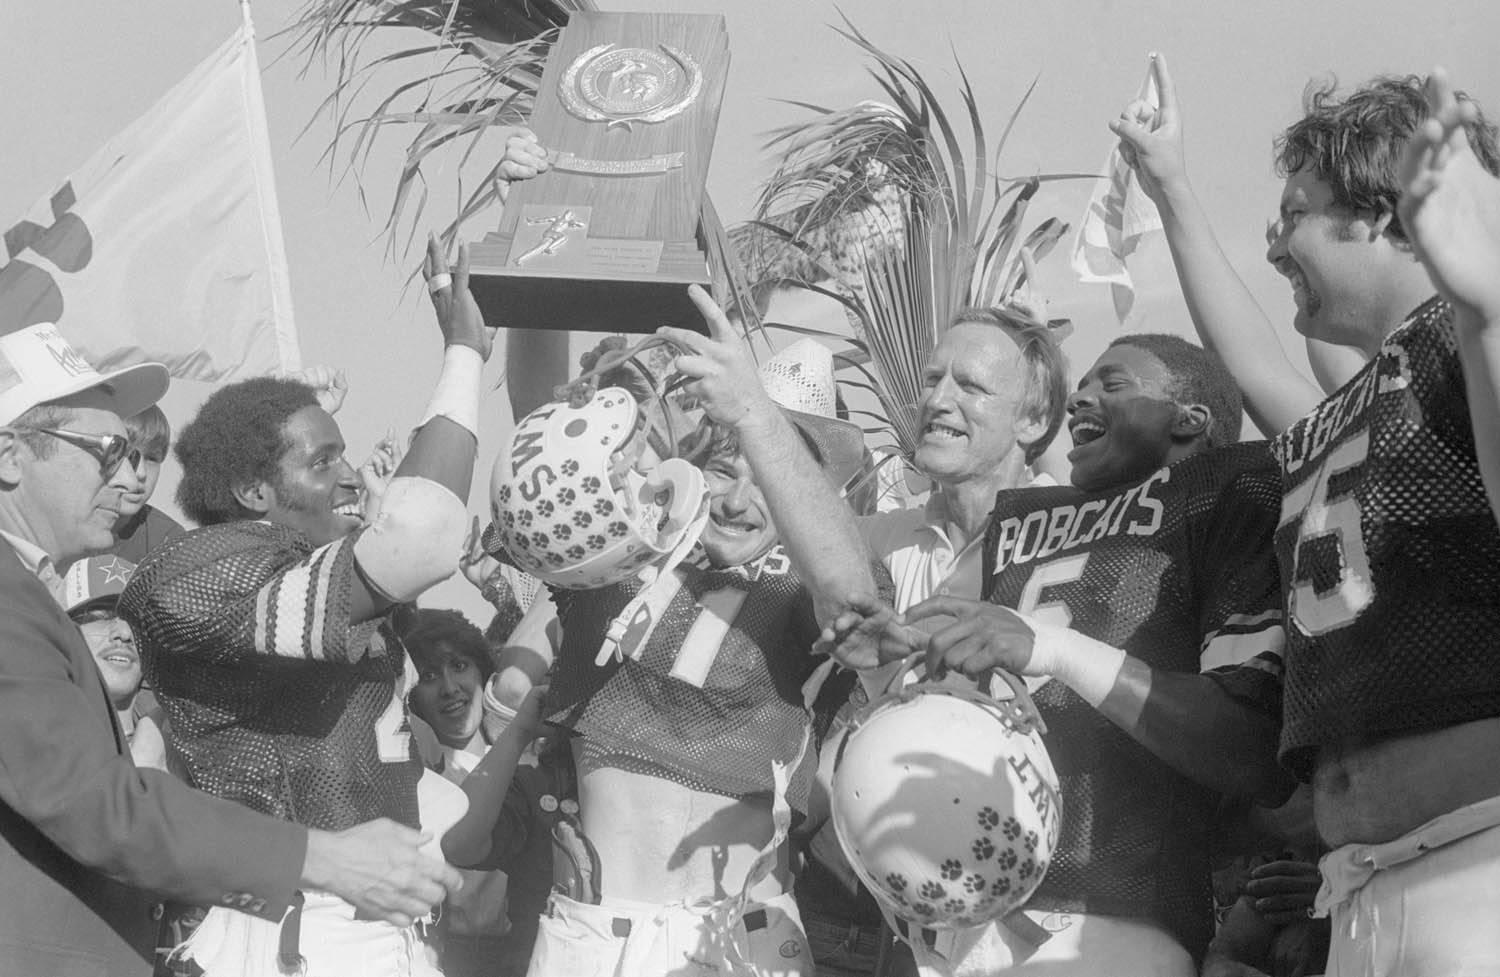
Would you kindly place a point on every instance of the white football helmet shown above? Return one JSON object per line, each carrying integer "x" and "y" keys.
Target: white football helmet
{"x": 946, "y": 804}
{"x": 570, "y": 506}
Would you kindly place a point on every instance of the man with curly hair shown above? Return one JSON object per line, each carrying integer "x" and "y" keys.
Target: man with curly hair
{"x": 263, "y": 631}
{"x": 1389, "y": 551}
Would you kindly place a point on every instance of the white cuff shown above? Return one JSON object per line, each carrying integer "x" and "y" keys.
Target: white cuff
{"x": 1086, "y": 666}
{"x": 456, "y": 395}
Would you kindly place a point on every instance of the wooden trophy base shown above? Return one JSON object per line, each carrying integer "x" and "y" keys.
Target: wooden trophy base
{"x": 551, "y": 275}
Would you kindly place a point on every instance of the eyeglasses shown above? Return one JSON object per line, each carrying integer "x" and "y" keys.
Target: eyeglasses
{"x": 110, "y": 449}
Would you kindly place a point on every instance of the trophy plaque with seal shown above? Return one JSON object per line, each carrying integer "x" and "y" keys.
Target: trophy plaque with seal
{"x": 607, "y": 239}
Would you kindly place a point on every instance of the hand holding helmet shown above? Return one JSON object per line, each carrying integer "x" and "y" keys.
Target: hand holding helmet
{"x": 946, "y": 803}
{"x": 980, "y": 637}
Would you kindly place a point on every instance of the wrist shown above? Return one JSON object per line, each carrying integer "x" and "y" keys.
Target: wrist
{"x": 758, "y": 419}
{"x": 496, "y": 590}
{"x": 1176, "y": 194}
{"x": 1088, "y": 667}
{"x": 456, "y": 394}
{"x": 459, "y": 342}
{"x": 316, "y": 859}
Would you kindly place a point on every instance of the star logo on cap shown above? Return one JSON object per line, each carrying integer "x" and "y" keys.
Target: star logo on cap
{"x": 114, "y": 572}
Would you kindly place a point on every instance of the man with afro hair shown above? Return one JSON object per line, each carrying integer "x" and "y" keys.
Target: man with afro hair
{"x": 264, "y": 632}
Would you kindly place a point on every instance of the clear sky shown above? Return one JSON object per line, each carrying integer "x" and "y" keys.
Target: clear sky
{"x": 74, "y": 73}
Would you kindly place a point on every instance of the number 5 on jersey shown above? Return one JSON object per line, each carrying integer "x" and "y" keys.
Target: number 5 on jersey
{"x": 1331, "y": 582}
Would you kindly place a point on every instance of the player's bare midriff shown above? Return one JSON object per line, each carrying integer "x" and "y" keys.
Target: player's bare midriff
{"x": 660, "y": 842}
{"x": 1373, "y": 791}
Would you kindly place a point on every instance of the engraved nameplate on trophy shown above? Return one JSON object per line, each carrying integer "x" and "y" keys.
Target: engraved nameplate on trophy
{"x": 607, "y": 239}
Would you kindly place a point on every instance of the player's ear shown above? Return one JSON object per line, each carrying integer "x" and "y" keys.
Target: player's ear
{"x": 1192, "y": 421}
{"x": 257, "y": 496}
{"x": 11, "y": 450}
{"x": 1388, "y": 225}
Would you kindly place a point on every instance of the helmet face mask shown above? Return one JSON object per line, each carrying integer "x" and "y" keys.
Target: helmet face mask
{"x": 946, "y": 805}
{"x": 578, "y": 502}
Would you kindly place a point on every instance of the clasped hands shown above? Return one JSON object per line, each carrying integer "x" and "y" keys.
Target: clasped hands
{"x": 965, "y": 636}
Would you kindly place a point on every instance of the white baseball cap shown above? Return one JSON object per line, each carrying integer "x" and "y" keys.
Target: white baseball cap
{"x": 38, "y": 366}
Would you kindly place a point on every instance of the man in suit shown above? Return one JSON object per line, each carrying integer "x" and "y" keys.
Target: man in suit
{"x": 87, "y": 840}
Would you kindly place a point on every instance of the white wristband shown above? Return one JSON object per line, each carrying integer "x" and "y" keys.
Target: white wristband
{"x": 456, "y": 395}
{"x": 1086, "y": 666}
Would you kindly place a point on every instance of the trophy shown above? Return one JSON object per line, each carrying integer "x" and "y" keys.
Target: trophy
{"x": 607, "y": 239}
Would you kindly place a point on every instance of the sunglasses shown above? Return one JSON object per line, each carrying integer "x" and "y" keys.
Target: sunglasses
{"x": 110, "y": 449}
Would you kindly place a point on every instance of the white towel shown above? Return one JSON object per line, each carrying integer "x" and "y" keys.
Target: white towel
{"x": 1119, "y": 214}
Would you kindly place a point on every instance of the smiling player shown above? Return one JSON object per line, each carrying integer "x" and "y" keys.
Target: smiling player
{"x": 262, "y": 631}
{"x": 679, "y": 737}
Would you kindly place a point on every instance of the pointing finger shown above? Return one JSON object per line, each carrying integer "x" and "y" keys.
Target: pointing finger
{"x": 718, "y": 323}
{"x": 1165, "y": 87}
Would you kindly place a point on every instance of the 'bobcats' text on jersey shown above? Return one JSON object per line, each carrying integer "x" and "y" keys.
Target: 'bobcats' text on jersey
{"x": 1180, "y": 572}
{"x": 713, "y": 690}
{"x": 1389, "y": 550}
{"x": 275, "y": 699}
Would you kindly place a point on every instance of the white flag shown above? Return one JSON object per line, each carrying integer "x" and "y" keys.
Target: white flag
{"x": 1118, "y": 215}
{"x": 166, "y": 245}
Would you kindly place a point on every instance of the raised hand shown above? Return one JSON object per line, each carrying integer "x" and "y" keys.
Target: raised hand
{"x": 377, "y": 866}
{"x": 1026, "y": 299}
{"x": 724, "y": 378}
{"x": 1151, "y": 138}
{"x": 377, "y": 470}
{"x": 523, "y": 159}
{"x": 475, "y": 564}
{"x": 1451, "y": 205}
{"x": 329, "y": 385}
{"x": 458, "y": 314}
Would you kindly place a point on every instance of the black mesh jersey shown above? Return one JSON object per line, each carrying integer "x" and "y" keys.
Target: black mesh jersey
{"x": 275, "y": 699}
{"x": 1180, "y": 572}
{"x": 715, "y": 693}
{"x": 1390, "y": 552}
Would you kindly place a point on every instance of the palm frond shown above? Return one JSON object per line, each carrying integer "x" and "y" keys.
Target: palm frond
{"x": 894, "y": 207}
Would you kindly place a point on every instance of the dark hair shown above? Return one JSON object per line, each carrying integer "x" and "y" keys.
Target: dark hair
{"x": 1046, "y": 396}
{"x": 238, "y": 437}
{"x": 1354, "y": 143}
{"x": 1198, "y": 377}
{"x": 150, "y": 431}
{"x": 425, "y": 629}
{"x": 721, "y": 440}
{"x": 42, "y": 415}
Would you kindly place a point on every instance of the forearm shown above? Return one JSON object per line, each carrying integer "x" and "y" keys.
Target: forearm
{"x": 1479, "y": 352}
{"x": 814, "y": 523}
{"x": 1186, "y": 719}
{"x": 1228, "y": 319}
{"x": 536, "y": 362}
{"x": 468, "y": 842}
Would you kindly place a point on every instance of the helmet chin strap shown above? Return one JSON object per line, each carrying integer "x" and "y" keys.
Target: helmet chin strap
{"x": 651, "y": 578}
